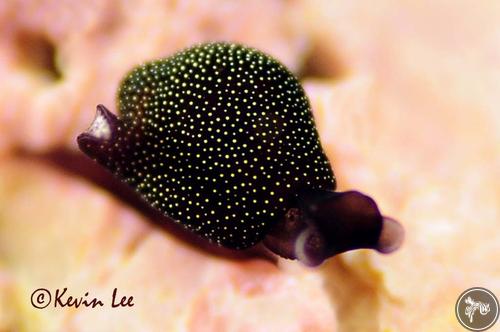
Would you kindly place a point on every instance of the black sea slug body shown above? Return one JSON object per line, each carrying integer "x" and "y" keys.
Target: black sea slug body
{"x": 220, "y": 137}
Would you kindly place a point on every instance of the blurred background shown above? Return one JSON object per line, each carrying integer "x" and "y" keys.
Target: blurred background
{"x": 406, "y": 98}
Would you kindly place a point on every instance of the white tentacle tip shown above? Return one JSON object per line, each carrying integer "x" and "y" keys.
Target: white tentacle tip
{"x": 391, "y": 237}
{"x": 100, "y": 127}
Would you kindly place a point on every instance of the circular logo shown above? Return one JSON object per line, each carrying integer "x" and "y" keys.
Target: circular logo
{"x": 477, "y": 309}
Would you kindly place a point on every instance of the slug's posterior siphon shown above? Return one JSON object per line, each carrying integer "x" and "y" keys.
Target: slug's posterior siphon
{"x": 220, "y": 137}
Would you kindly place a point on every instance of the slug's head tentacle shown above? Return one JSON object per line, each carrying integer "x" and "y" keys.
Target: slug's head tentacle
{"x": 328, "y": 223}
{"x": 101, "y": 133}
{"x": 110, "y": 141}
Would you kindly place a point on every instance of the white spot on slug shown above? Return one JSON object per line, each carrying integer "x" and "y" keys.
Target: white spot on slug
{"x": 100, "y": 127}
{"x": 300, "y": 245}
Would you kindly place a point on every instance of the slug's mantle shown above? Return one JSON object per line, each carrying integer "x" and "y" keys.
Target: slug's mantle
{"x": 220, "y": 137}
